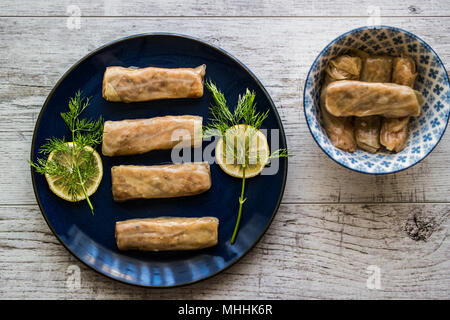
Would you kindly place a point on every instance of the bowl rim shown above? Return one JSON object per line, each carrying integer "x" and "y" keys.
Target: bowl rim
{"x": 441, "y": 64}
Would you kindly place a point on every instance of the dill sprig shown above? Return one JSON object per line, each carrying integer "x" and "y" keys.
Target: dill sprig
{"x": 222, "y": 120}
{"x": 76, "y": 164}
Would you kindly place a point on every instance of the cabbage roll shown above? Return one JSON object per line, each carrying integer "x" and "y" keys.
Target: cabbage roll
{"x": 138, "y": 136}
{"x": 367, "y": 133}
{"x": 394, "y": 132}
{"x": 167, "y": 233}
{"x": 339, "y": 130}
{"x": 345, "y": 67}
{"x": 356, "y": 98}
{"x": 160, "y": 181}
{"x": 377, "y": 69}
{"x": 367, "y": 129}
{"x": 404, "y": 71}
{"x": 134, "y": 85}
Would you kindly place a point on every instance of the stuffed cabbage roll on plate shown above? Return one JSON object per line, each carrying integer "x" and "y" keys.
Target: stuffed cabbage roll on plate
{"x": 167, "y": 233}
{"x": 160, "y": 181}
{"x": 134, "y": 85}
{"x": 128, "y": 137}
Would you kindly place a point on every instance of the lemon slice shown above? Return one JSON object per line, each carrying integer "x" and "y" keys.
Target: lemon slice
{"x": 57, "y": 184}
{"x": 240, "y": 144}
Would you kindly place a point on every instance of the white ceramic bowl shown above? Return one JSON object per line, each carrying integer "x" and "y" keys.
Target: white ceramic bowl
{"x": 432, "y": 81}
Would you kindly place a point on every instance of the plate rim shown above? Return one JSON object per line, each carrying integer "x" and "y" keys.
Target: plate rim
{"x": 328, "y": 46}
{"x": 214, "y": 47}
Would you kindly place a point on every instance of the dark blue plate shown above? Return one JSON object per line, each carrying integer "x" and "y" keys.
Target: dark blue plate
{"x": 91, "y": 238}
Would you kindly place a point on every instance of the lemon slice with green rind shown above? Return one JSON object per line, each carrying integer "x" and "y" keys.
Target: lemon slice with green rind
{"x": 242, "y": 144}
{"x": 64, "y": 159}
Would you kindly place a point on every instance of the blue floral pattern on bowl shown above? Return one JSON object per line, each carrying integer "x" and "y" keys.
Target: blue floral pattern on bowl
{"x": 432, "y": 81}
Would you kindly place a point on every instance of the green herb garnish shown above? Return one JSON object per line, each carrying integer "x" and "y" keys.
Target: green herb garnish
{"x": 73, "y": 167}
{"x": 228, "y": 125}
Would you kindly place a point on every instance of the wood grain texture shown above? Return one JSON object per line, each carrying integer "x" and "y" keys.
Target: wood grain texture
{"x": 333, "y": 223}
{"x": 310, "y": 251}
{"x": 240, "y": 8}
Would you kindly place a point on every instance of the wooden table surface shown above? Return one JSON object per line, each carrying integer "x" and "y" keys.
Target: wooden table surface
{"x": 335, "y": 228}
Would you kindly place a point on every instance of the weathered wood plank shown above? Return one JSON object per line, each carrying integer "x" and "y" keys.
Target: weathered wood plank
{"x": 310, "y": 251}
{"x": 35, "y": 52}
{"x": 194, "y": 8}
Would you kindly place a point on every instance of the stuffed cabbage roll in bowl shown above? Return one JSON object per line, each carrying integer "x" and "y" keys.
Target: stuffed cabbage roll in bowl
{"x": 393, "y": 104}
